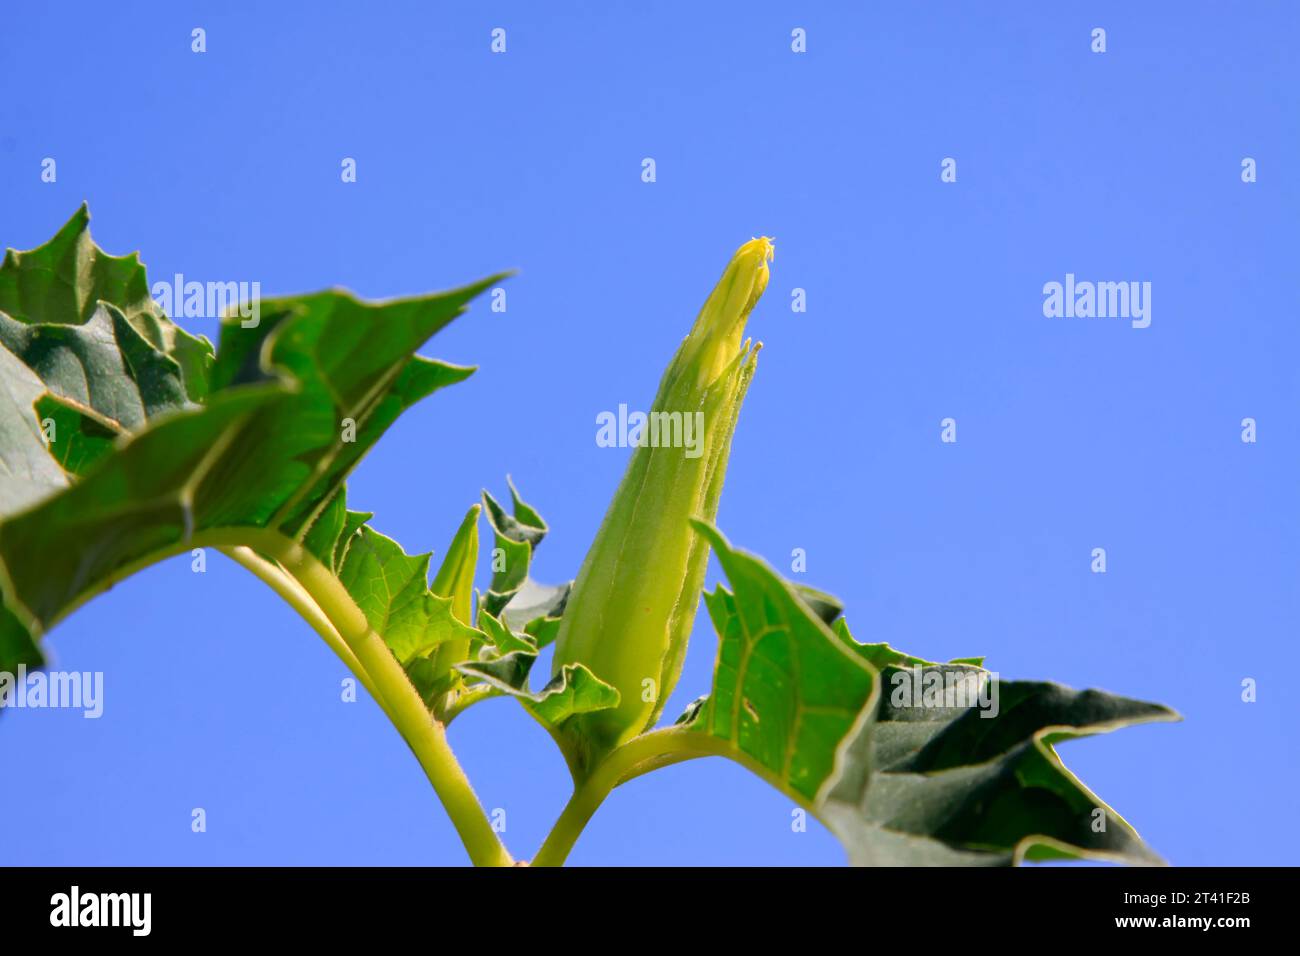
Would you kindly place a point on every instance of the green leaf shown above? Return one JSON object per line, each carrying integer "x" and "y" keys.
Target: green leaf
{"x": 500, "y": 640}
{"x": 29, "y": 473}
{"x": 104, "y": 364}
{"x": 351, "y": 368}
{"x": 786, "y": 691}
{"x": 455, "y": 577}
{"x": 290, "y": 407}
{"x": 908, "y": 762}
{"x": 455, "y": 580}
{"x": 64, "y": 282}
{"x": 392, "y": 590}
{"x": 947, "y": 786}
{"x": 79, "y": 437}
{"x": 521, "y": 602}
{"x": 504, "y": 662}
{"x": 575, "y": 690}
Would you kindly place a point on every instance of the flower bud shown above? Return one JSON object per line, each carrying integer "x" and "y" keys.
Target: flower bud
{"x": 633, "y": 604}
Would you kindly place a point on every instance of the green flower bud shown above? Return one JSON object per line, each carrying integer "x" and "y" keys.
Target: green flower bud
{"x": 634, "y": 601}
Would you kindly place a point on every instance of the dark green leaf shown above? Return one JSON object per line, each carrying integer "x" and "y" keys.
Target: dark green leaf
{"x": 293, "y": 404}
{"x": 908, "y": 762}
{"x": 64, "y": 282}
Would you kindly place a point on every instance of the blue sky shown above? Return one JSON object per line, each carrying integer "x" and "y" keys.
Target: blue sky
{"x": 924, "y": 301}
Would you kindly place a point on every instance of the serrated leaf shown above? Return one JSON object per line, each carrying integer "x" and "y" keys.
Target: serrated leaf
{"x": 575, "y": 690}
{"x": 521, "y": 602}
{"x": 104, "y": 364}
{"x": 786, "y": 691}
{"x": 513, "y": 543}
{"x": 353, "y": 372}
{"x": 64, "y": 281}
{"x": 392, "y": 589}
{"x": 903, "y": 778}
{"x": 292, "y": 406}
{"x": 956, "y": 786}
{"x": 501, "y": 640}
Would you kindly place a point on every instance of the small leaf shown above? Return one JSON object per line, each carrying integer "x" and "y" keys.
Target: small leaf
{"x": 392, "y": 590}
{"x": 500, "y": 639}
{"x": 575, "y": 690}
{"x": 516, "y": 598}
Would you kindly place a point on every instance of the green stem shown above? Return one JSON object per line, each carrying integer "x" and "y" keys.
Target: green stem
{"x": 464, "y": 699}
{"x": 375, "y": 665}
{"x": 639, "y": 755}
{"x": 293, "y": 594}
{"x": 425, "y": 736}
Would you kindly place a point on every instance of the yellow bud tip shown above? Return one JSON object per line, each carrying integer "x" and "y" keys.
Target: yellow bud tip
{"x": 763, "y": 246}
{"x": 736, "y": 294}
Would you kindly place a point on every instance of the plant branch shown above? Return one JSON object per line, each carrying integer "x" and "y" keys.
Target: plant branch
{"x": 297, "y": 598}
{"x": 464, "y": 699}
{"x": 425, "y": 736}
{"x": 640, "y": 755}
{"x": 314, "y": 586}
